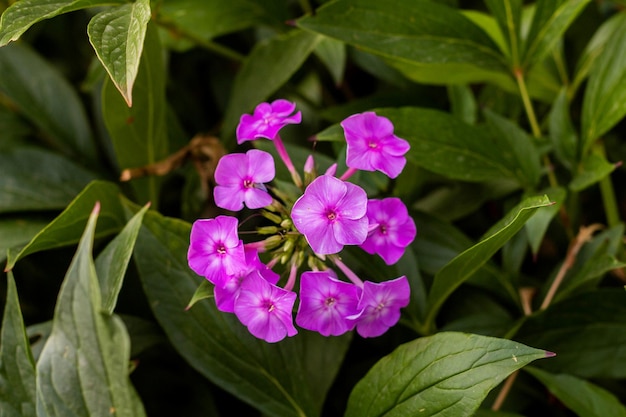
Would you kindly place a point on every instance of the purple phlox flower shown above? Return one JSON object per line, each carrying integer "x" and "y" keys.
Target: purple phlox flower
{"x": 391, "y": 229}
{"x": 215, "y": 250}
{"x": 226, "y": 293}
{"x": 326, "y": 303}
{"x": 265, "y": 309}
{"x": 372, "y": 146}
{"x": 380, "y": 306}
{"x": 330, "y": 214}
{"x": 240, "y": 178}
{"x": 267, "y": 120}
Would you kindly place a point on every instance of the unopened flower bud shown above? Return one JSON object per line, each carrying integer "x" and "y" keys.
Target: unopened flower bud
{"x": 272, "y": 217}
{"x": 267, "y": 230}
{"x": 286, "y": 224}
{"x": 331, "y": 170}
{"x": 273, "y": 242}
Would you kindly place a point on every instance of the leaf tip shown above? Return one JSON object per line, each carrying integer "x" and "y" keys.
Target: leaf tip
{"x": 96, "y": 209}
{"x": 549, "y": 354}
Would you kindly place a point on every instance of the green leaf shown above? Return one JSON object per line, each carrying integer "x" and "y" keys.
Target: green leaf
{"x": 204, "y": 291}
{"x": 333, "y": 54}
{"x": 289, "y": 378}
{"x": 88, "y": 350}
{"x": 67, "y": 227}
{"x": 562, "y": 132}
{"x": 270, "y": 65}
{"x": 18, "y": 231}
{"x": 22, "y": 14}
{"x": 117, "y": 35}
{"x": 36, "y": 179}
{"x": 139, "y": 133}
{"x": 112, "y": 262}
{"x": 462, "y": 103}
{"x": 47, "y": 99}
{"x": 537, "y": 225}
{"x": 587, "y": 332}
{"x": 464, "y": 265}
{"x": 582, "y": 397}
{"x": 428, "y": 41}
{"x": 17, "y": 366}
{"x": 448, "y": 374}
{"x": 508, "y": 14}
{"x": 605, "y": 97}
{"x": 593, "y": 168}
{"x": 550, "y": 21}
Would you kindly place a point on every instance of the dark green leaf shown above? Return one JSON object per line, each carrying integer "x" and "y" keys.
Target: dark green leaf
{"x": 270, "y": 65}
{"x": 23, "y": 14}
{"x": 582, "y": 397}
{"x": 112, "y": 262}
{"x": 562, "y": 133}
{"x": 508, "y": 14}
{"x": 139, "y": 133}
{"x": 18, "y": 231}
{"x": 464, "y": 265}
{"x": 35, "y": 179}
{"x": 117, "y": 35}
{"x": 47, "y": 99}
{"x": 87, "y": 350}
{"x": 593, "y": 168}
{"x": 537, "y": 225}
{"x": 448, "y": 374}
{"x": 289, "y": 378}
{"x": 204, "y": 291}
{"x": 67, "y": 227}
{"x": 38, "y": 335}
{"x": 333, "y": 54}
{"x": 17, "y": 366}
{"x": 462, "y": 103}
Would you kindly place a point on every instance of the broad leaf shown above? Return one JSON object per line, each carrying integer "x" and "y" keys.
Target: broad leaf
{"x": 270, "y": 65}
{"x": 582, "y": 397}
{"x": 448, "y": 374}
{"x": 24, "y": 13}
{"x": 333, "y": 54}
{"x": 17, "y": 366}
{"x": 66, "y": 229}
{"x": 87, "y": 350}
{"x": 508, "y": 14}
{"x": 139, "y": 133}
{"x": 464, "y": 265}
{"x": 112, "y": 262}
{"x": 593, "y": 168}
{"x": 18, "y": 230}
{"x": 462, "y": 103}
{"x": 605, "y": 97}
{"x": 289, "y": 378}
{"x": 36, "y": 179}
{"x": 117, "y": 36}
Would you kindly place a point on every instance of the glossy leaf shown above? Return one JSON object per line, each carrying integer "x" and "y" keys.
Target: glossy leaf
{"x": 66, "y": 229}
{"x": 448, "y": 374}
{"x": 112, "y": 262}
{"x": 36, "y": 179}
{"x": 582, "y": 397}
{"x": 82, "y": 335}
{"x": 605, "y": 97}
{"x": 267, "y": 68}
{"x": 592, "y": 169}
{"x": 289, "y": 378}
{"x": 464, "y": 265}
{"x": 139, "y": 133}
{"x": 24, "y": 13}
{"x": 17, "y": 366}
{"x": 117, "y": 35}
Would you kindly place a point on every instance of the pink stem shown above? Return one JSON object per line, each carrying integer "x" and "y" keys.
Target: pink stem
{"x": 282, "y": 152}
{"x": 349, "y": 172}
{"x": 292, "y": 277}
{"x": 348, "y": 272}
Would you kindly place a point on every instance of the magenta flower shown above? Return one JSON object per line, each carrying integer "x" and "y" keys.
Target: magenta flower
{"x": 240, "y": 178}
{"x": 330, "y": 214}
{"x": 372, "y": 146}
{"x": 391, "y": 229}
{"x": 267, "y": 120}
{"x": 326, "y": 303}
{"x": 215, "y": 250}
{"x": 380, "y": 306}
{"x": 265, "y": 309}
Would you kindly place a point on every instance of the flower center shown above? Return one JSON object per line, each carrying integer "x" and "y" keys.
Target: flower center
{"x": 379, "y": 307}
{"x": 330, "y": 301}
{"x": 248, "y": 183}
{"x": 372, "y": 144}
{"x": 221, "y": 249}
{"x": 332, "y": 216}
{"x": 383, "y": 229}
{"x": 270, "y": 306}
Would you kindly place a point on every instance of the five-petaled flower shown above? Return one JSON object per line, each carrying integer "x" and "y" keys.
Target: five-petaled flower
{"x": 267, "y": 120}
{"x": 380, "y": 306}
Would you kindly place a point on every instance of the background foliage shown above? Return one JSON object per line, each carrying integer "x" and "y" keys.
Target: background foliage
{"x": 514, "y": 111}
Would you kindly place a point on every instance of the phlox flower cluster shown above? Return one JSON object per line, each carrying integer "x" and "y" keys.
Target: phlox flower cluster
{"x": 306, "y": 232}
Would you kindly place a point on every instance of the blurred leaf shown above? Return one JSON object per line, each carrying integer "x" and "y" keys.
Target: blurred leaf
{"x": 144, "y": 334}
{"x": 333, "y": 54}
{"x": 562, "y": 132}
{"x": 16, "y": 231}
{"x": 66, "y": 229}
{"x": 48, "y": 100}
{"x": 289, "y": 378}
{"x": 17, "y": 366}
{"x": 445, "y": 374}
{"x": 475, "y": 311}
{"x": 112, "y": 262}
{"x": 14, "y": 129}
{"x": 139, "y": 133}
{"x": 550, "y": 21}
{"x": 270, "y": 65}
{"x": 428, "y": 41}
{"x": 38, "y": 335}
{"x": 593, "y": 168}
{"x": 36, "y": 179}
{"x": 24, "y": 13}
{"x": 582, "y": 397}
{"x": 462, "y": 103}
{"x": 538, "y": 224}
{"x": 464, "y": 265}
{"x": 87, "y": 350}
{"x": 117, "y": 35}
{"x": 605, "y": 97}
{"x": 508, "y": 14}
{"x": 489, "y": 25}
{"x": 587, "y": 332}
{"x": 483, "y": 412}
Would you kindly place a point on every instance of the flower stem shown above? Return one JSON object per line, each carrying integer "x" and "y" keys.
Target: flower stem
{"x": 349, "y": 172}
{"x": 293, "y": 272}
{"x": 282, "y": 152}
{"x": 347, "y": 272}
{"x": 608, "y": 193}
